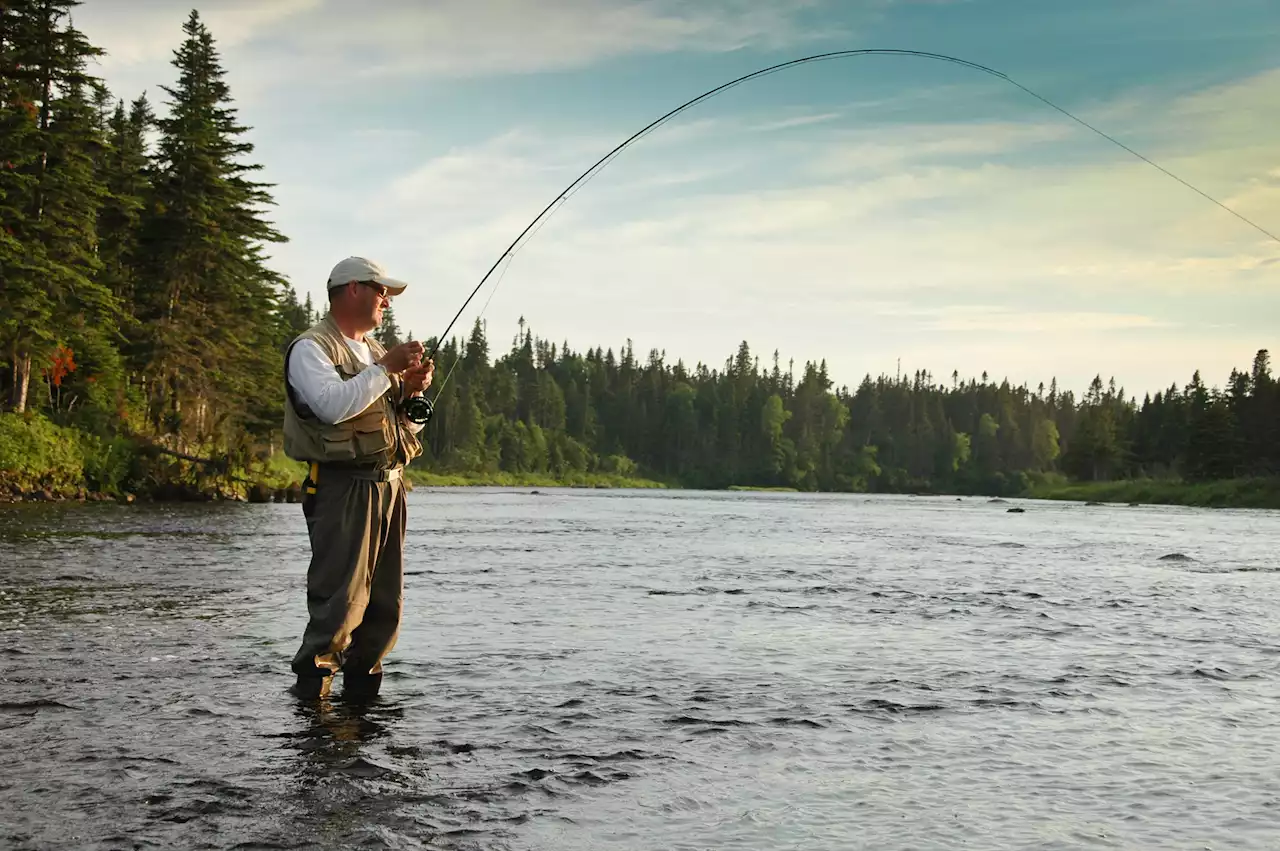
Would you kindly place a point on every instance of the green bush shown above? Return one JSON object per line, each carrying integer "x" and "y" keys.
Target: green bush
{"x": 110, "y": 464}
{"x": 281, "y": 471}
{"x": 618, "y": 465}
{"x": 35, "y": 453}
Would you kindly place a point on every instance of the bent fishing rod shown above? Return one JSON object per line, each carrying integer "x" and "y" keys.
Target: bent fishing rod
{"x": 419, "y": 409}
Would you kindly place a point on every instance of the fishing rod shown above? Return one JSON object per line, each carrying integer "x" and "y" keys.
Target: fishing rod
{"x": 419, "y": 409}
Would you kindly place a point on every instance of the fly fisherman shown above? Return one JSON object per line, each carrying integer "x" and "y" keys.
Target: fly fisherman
{"x": 344, "y": 418}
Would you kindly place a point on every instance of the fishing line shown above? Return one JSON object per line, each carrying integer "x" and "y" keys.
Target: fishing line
{"x": 423, "y": 407}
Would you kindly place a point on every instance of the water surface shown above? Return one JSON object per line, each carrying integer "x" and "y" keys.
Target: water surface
{"x": 636, "y": 670}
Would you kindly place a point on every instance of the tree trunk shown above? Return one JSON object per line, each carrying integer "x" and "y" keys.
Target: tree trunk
{"x": 45, "y": 111}
{"x": 21, "y": 380}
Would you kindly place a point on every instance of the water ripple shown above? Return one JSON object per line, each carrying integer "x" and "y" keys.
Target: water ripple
{"x": 617, "y": 670}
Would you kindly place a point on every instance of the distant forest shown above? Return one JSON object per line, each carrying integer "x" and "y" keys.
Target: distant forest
{"x": 542, "y": 407}
{"x": 138, "y": 309}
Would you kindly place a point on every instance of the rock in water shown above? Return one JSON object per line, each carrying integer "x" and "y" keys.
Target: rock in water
{"x": 1176, "y": 557}
{"x": 1016, "y": 511}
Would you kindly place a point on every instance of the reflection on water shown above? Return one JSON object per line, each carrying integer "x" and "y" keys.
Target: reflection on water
{"x": 334, "y": 734}
{"x": 613, "y": 670}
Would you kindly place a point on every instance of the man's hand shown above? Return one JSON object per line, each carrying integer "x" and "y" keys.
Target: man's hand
{"x": 418, "y": 378}
{"x": 402, "y": 357}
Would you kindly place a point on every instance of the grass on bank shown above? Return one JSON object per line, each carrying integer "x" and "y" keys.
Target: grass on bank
{"x": 1229, "y": 493}
{"x": 36, "y": 454}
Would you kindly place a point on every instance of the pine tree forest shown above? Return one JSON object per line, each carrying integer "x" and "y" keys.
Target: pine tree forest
{"x": 138, "y": 310}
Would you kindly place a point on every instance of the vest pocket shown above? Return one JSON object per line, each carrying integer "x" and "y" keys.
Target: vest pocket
{"x": 339, "y": 449}
{"x": 372, "y": 440}
{"x": 365, "y": 442}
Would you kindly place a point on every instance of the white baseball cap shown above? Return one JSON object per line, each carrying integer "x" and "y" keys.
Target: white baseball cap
{"x": 363, "y": 269}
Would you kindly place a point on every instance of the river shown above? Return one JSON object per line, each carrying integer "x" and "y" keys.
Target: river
{"x": 584, "y": 669}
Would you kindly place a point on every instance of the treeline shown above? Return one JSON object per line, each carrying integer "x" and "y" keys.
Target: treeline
{"x": 136, "y": 309}
{"x": 542, "y": 407}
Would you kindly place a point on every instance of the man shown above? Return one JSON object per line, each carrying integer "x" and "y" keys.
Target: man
{"x": 343, "y": 416}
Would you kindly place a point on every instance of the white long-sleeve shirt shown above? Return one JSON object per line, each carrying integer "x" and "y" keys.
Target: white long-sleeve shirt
{"x": 313, "y": 378}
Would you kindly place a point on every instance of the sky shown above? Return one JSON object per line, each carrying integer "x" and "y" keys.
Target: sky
{"x": 878, "y": 212}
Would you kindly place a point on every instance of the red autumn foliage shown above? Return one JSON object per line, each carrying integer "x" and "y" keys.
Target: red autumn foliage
{"x": 63, "y": 363}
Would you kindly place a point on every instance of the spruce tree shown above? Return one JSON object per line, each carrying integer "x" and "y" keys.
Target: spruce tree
{"x": 295, "y": 317}
{"x": 125, "y": 168}
{"x": 52, "y": 296}
{"x": 87, "y": 310}
{"x": 24, "y": 300}
{"x": 388, "y": 333}
{"x": 211, "y": 305}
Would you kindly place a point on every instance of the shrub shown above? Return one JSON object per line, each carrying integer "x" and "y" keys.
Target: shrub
{"x": 35, "y": 453}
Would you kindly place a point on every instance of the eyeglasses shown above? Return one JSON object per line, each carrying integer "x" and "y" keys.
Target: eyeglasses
{"x": 377, "y": 288}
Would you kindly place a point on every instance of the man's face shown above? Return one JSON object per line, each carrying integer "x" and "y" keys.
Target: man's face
{"x": 373, "y": 299}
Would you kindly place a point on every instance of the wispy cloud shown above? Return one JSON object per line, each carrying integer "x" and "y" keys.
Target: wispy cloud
{"x": 452, "y": 38}
{"x": 1043, "y": 220}
{"x": 141, "y": 31}
{"x": 888, "y": 146}
{"x": 858, "y": 230}
{"x": 998, "y": 319}
{"x": 798, "y": 121}
{"x": 997, "y": 248}
{"x": 325, "y": 43}
{"x": 455, "y": 38}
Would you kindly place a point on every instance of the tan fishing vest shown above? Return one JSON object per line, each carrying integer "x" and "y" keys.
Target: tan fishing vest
{"x": 376, "y": 437}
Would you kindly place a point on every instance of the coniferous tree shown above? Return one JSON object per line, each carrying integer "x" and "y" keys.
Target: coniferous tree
{"x": 88, "y": 312}
{"x": 22, "y": 261}
{"x": 211, "y": 306}
{"x": 388, "y": 333}
{"x": 125, "y": 173}
{"x": 51, "y": 291}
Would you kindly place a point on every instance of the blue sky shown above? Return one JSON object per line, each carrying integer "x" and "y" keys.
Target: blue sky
{"x": 863, "y": 210}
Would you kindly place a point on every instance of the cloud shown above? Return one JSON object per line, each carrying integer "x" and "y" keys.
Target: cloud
{"x": 318, "y": 54}
{"x": 454, "y": 38}
{"x": 997, "y": 319}
{"x": 1038, "y": 217}
{"x": 325, "y": 42}
{"x": 973, "y": 245}
{"x": 884, "y": 148}
{"x": 856, "y": 231}
{"x": 142, "y": 31}
{"x": 798, "y": 121}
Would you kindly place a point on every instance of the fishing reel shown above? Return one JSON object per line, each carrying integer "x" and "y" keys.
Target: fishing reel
{"x": 418, "y": 409}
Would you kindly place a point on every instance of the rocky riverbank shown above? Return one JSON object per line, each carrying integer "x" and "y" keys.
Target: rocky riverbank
{"x": 164, "y": 492}
{"x": 16, "y": 494}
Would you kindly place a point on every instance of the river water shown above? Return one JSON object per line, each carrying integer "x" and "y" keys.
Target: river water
{"x": 610, "y": 670}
